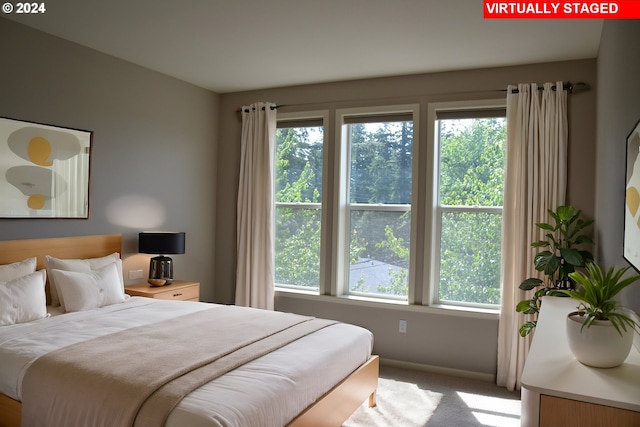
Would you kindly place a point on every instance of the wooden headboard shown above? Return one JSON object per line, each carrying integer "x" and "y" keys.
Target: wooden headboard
{"x": 59, "y": 247}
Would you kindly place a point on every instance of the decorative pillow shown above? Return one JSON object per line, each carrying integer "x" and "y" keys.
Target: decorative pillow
{"x": 17, "y": 269}
{"x": 85, "y": 291}
{"x": 23, "y": 299}
{"x": 81, "y": 266}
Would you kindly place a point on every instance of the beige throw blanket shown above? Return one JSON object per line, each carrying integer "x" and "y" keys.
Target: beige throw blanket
{"x": 137, "y": 376}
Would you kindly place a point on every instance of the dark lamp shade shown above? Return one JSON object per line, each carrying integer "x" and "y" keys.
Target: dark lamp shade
{"x": 161, "y": 243}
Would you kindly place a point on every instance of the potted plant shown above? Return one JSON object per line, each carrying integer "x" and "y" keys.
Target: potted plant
{"x": 558, "y": 261}
{"x": 600, "y": 333}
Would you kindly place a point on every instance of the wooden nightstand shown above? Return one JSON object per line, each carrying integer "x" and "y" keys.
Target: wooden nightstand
{"x": 178, "y": 290}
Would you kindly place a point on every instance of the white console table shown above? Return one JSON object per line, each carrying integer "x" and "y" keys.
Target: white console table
{"x": 557, "y": 390}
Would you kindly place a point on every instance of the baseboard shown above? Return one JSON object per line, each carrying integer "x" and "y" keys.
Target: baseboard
{"x": 439, "y": 370}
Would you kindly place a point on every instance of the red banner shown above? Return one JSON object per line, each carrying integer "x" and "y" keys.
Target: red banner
{"x": 621, "y": 9}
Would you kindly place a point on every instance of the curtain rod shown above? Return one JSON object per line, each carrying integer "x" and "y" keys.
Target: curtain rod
{"x": 273, "y": 107}
{"x": 568, "y": 86}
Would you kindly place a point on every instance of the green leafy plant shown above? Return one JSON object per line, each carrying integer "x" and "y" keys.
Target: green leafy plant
{"x": 561, "y": 257}
{"x": 596, "y": 295}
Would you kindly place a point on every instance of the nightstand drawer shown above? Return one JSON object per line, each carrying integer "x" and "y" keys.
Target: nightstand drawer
{"x": 187, "y": 293}
{"x": 178, "y": 290}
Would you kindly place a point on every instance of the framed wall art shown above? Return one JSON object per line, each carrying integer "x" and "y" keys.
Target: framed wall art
{"x": 44, "y": 170}
{"x": 632, "y": 199}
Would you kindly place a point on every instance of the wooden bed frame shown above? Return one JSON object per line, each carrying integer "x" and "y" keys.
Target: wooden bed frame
{"x": 331, "y": 410}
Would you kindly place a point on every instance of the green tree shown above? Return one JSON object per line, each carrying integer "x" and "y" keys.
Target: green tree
{"x": 471, "y": 174}
{"x": 381, "y": 161}
{"x": 298, "y": 180}
{"x": 472, "y": 162}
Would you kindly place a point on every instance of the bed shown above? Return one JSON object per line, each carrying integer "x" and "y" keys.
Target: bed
{"x": 315, "y": 379}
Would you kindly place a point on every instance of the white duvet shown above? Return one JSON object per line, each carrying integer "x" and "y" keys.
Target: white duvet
{"x": 269, "y": 391}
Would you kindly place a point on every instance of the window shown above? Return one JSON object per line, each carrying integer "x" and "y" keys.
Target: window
{"x": 377, "y": 187}
{"x": 360, "y": 212}
{"x": 470, "y": 183}
{"x": 299, "y": 163}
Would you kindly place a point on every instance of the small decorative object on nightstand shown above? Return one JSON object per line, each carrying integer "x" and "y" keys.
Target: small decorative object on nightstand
{"x": 178, "y": 290}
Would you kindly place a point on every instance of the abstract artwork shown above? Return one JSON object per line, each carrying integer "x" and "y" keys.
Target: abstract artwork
{"x": 632, "y": 199}
{"x": 44, "y": 170}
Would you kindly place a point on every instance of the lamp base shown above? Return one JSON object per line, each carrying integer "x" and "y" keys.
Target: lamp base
{"x": 160, "y": 282}
{"x": 160, "y": 271}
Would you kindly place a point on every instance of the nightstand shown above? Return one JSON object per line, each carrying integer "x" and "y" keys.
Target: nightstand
{"x": 178, "y": 290}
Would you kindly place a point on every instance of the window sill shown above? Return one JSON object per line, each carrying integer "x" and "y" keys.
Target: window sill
{"x": 441, "y": 309}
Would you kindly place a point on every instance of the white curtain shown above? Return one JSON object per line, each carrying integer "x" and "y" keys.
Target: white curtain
{"x": 535, "y": 181}
{"x": 255, "y": 234}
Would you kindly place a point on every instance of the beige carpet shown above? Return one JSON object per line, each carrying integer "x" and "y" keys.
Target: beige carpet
{"x": 408, "y": 398}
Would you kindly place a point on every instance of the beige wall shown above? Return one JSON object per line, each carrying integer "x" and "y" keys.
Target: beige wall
{"x": 154, "y": 144}
{"x": 458, "y": 342}
{"x": 618, "y": 106}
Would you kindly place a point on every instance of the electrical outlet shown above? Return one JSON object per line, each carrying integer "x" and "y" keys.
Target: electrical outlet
{"x": 402, "y": 327}
{"x": 135, "y": 274}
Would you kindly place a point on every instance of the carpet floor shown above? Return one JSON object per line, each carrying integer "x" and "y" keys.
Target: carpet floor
{"x": 410, "y": 398}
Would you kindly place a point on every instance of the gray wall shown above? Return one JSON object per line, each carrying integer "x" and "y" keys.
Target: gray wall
{"x": 618, "y": 110}
{"x": 154, "y": 145}
{"x": 433, "y": 338}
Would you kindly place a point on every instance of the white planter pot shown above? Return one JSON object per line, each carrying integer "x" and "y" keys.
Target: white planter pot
{"x": 599, "y": 345}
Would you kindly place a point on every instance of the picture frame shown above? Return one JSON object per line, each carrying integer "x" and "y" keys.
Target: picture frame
{"x": 44, "y": 170}
{"x": 632, "y": 199}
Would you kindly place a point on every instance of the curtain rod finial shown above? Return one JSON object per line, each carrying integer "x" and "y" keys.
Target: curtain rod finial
{"x": 579, "y": 87}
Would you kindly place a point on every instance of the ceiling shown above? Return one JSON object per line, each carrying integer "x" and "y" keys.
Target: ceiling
{"x": 237, "y": 45}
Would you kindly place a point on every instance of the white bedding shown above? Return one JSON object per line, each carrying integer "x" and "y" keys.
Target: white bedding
{"x": 270, "y": 391}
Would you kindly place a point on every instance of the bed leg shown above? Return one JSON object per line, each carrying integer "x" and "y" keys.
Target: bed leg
{"x": 372, "y": 400}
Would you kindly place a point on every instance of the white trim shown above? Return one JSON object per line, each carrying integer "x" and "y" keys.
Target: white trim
{"x": 339, "y": 278}
{"x": 299, "y": 205}
{"x": 387, "y": 304}
{"x": 380, "y": 207}
{"x": 316, "y": 114}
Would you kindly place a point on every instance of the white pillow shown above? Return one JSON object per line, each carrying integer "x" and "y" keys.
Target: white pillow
{"x": 17, "y": 269}
{"x": 85, "y": 291}
{"x": 78, "y": 265}
{"x": 23, "y": 299}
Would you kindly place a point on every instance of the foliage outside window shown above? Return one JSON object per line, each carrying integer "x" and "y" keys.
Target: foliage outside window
{"x": 470, "y": 195}
{"x": 380, "y": 185}
{"x": 299, "y": 151}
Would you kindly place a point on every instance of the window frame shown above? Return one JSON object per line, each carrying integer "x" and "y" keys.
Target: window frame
{"x": 423, "y": 278}
{"x": 433, "y": 233}
{"x": 323, "y": 116}
{"x": 343, "y": 208}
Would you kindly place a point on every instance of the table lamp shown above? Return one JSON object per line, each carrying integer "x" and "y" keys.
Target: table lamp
{"x": 162, "y": 243}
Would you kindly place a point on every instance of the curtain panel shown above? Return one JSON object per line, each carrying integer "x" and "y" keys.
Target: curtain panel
{"x": 535, "y": 181}
{"x": 255, "y": 222}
